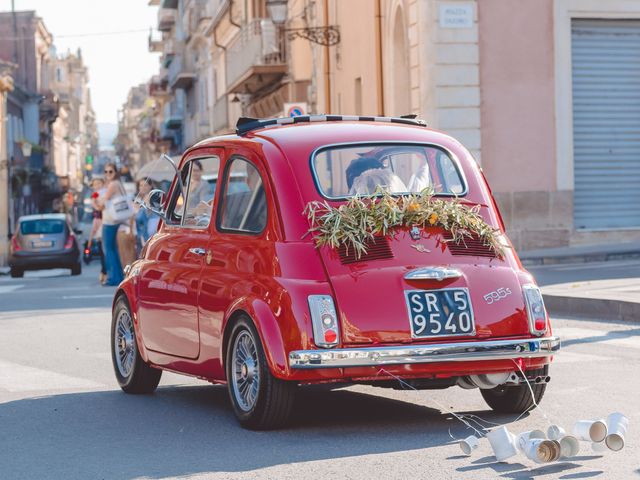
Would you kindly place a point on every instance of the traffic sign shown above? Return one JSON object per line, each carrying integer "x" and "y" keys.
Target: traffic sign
{"x": 295, "y": 109}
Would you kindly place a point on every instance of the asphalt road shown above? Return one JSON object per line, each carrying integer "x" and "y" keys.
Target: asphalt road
{"x": 62, "y": 415}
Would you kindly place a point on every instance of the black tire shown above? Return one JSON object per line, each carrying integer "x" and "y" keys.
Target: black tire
{"x": 516, "y": 399}
{"x": 140, "y": 378}
{"x": 273, "y": 403}
{"x": 16, "y": 273}
{"x": 76, "y": 269}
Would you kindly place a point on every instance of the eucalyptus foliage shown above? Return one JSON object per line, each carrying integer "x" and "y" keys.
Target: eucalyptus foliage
{"x": 362, "y": 218}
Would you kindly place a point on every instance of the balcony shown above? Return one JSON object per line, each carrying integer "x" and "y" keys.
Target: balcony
{"x": 255, "y": 59}
{"x": 166, "y": 19}
{"x": 179, "y": 75}
{"x": 155, "y": 43}
{"x": 173, "y": 116}
{"x": 220, "y": 114}
{"x": 168, "y": 52}
{"x": 158, "y": 86}
{"x": 197, "y": 18}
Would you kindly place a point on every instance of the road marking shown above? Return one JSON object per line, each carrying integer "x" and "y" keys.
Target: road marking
{"x": 69, "y": 297}
{"x": 10, "y": 288}
{"x": 19, "y": 378}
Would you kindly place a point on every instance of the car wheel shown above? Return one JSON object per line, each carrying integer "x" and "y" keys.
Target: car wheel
{"x": 132, "y": 373}
{"x": 16, "y": 273}
{"x": 76, "y": 269}
{"x": 260, "y": 401}
{"x": 517, "y": 398}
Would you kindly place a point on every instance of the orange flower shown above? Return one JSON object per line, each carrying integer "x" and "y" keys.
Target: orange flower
{"x": 433, "y": 218}
{"x": 413, "y": 207}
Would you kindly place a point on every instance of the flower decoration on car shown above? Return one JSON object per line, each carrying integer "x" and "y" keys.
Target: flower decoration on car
{"x": 362, "y": 218}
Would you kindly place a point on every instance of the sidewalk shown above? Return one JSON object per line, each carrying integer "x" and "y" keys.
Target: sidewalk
{"x": 594, "y": 281}
{"x": 614, "y": 299}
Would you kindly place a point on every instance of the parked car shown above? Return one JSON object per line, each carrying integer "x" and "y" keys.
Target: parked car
{"x": 43, "y": 242}
{"x": 243, "y": 290}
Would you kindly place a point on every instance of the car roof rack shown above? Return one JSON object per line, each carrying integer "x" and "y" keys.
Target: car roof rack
{"x": 247, "y": 124}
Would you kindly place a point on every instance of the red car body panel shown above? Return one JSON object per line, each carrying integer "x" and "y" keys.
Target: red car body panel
{"x": 183, "y": 303}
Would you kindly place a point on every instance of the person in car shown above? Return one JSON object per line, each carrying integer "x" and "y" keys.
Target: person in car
{"x": 199, "y": 190}
{"x": 368, "y": 182}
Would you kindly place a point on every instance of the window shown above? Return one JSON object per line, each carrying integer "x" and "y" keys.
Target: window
{"x": 41, "y": 227}
{"x": 244, "y": 204}
{"x": 361, "y": 169}
{"x": 199, "y": 177}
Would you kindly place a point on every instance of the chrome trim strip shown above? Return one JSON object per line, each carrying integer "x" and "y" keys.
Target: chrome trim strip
{"x": 433, "y": 273}
{"x": 432, "y": 353}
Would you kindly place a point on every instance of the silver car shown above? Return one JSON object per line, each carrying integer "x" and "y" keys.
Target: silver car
{"x": 44, "y": 241}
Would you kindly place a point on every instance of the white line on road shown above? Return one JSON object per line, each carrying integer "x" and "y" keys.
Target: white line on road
{"x": 19, "y": 378}
{"x": 10, "y": 288}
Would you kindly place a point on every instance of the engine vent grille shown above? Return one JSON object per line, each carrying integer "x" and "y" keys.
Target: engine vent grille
{"x": 377, "y": 249}
{"x": 469, "y": 246}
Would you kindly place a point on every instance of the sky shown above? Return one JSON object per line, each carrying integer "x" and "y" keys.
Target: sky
{"x": 116, "y": 62}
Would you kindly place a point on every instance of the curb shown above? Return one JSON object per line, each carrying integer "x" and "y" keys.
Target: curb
{"x": 592, "y": 308}
{"x": 581, "y": 258}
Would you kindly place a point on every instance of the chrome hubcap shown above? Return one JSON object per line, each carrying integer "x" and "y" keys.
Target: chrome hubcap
{"x": 245, "y": 375}
{"x": 125, "y": 344}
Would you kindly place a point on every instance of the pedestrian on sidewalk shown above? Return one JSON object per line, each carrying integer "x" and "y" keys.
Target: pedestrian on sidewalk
{"x": 110, "y": 223}
{"x": 146, "y": 220}
{"x": 95, "y": 237}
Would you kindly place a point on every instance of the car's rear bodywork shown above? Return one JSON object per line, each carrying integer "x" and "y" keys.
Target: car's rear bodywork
{"x": 271, "y": 276}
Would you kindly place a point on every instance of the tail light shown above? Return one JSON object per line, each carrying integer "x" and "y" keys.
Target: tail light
{"x": 535, "y": 309}
{"x": 87, "y": 251}
{"x": 324, "y": 320}
{"x": 69, "y": 243}
{"x": 15, "y": 245}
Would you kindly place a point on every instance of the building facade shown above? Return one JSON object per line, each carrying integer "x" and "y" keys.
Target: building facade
{"x": 50, "y": 125}
{"x": 544, "y": 95}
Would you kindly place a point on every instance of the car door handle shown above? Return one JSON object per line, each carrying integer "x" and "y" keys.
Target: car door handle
{"x": 198, "y": 251}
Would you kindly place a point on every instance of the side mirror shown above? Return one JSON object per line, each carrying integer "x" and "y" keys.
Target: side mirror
{"x": 155, "y": 203}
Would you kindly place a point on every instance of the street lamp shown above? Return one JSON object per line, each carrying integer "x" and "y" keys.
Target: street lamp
{"x": 328, "y": 35}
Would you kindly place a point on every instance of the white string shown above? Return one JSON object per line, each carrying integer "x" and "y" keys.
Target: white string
{"x": 533, "y": 398}
{"x": 458, "y": 417}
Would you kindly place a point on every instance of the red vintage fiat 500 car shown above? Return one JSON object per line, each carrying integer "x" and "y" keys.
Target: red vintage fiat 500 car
{"x": 331, "y": 249}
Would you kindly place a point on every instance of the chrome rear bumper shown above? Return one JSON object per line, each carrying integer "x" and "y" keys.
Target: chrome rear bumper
{"x": 433, "y": 353}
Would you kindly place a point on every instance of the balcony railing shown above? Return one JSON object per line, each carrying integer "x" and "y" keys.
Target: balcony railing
{"x": 166, "y": 19}
{"x": 155, "y": 43}
{"x": 220, "y": 114}
{"x": 256, "y": 58}
{"x": 179, "y": 75}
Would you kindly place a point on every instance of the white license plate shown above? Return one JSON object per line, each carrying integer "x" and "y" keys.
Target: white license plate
{"x": 41, "y": 244}
{"x": 445, "y": 312}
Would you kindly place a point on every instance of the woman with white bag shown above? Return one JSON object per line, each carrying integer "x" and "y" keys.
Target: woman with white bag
{"x": 117, "y": 209}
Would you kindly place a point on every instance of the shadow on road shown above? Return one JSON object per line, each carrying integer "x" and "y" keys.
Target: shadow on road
{"x": 190, "y": 430}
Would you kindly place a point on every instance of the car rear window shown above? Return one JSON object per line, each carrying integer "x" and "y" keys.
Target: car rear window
{"x": 349, "y": 170}
{"x": 35, "y": 227}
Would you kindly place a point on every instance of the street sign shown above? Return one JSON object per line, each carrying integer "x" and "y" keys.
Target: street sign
{"x": 295, "y": 109}
{"x": 89, "y": 159}
{"x": 456, "y": 15}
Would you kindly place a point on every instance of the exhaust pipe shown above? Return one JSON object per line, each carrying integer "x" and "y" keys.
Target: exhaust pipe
{"x": 492, "y": 380}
